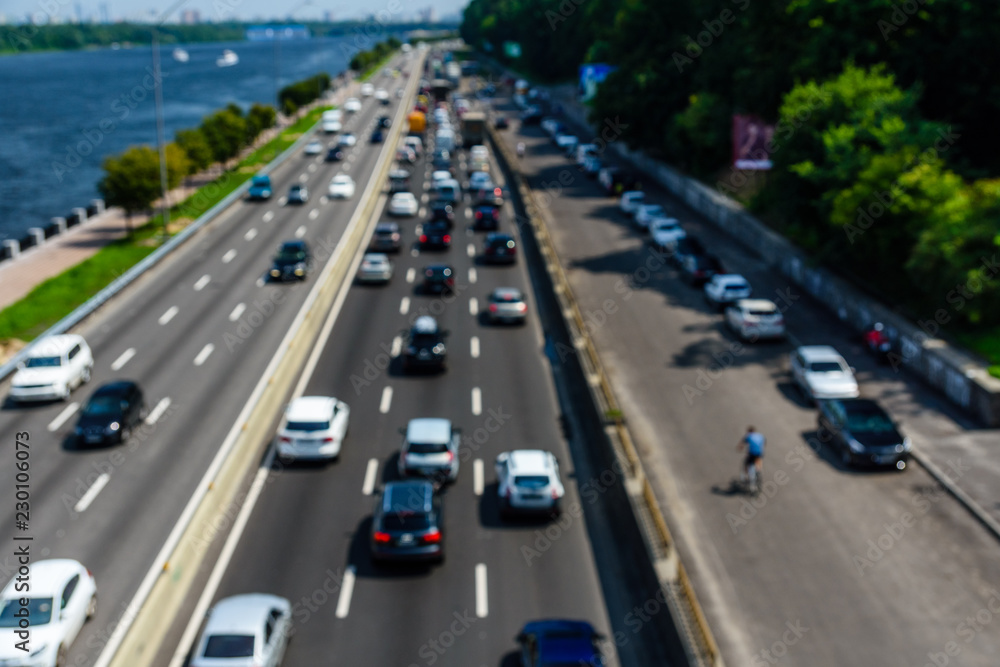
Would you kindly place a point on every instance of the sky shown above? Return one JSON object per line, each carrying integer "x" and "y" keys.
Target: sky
{"x": 14, "y": 11}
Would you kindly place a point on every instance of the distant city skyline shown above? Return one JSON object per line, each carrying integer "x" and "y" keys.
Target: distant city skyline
{"x": 210, "y": 11}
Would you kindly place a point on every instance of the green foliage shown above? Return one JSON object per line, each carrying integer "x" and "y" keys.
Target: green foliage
{"x": 226, "y": 132}
{"x": 16, "y": 38}
{"x": 131, "y": 179}
{"x": 363, "y": 61}
{"x": 196, "y": 147}
{"x": 301, "y": 93}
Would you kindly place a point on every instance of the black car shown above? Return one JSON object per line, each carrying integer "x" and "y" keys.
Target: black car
{"x": 111, "y": 414}
{"x": 436, "y": 235}
{"x": 441, "y": 159}
{"x": 863, "y": 433}
{"x": 486, "y": 216}
{"x": 335, "y": 154}
{"x": 407, "y": 524}
{"x": 384, "y": 122}
{"x": 684, "y": 248}
{"x": 533, "y": 116}
{"x": 699, "y": 269}
{"x": 501, "y": 123}
{"x": 386, "y": 238}
{"x": 439, "y": 279}
{"x": 442, "y": 210}
{"x": 377, "y": 136}
{"x": 298, "y": 194}
{"x": 292, "y": 262}
{"x": 499, "y": 248}
{"x": 488, "y": 197}
{"x": 425, "y": 349}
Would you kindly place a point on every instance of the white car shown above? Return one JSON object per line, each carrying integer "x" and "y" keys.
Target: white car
{"x": 753, "y": 319}
{"x": 341, "y": 187}
{"x": 347, "y": 139}
{"x": 440, "y": 115}
{"x": 550, "y": 125}
{"x": 62, "y": 597}
{"x": 403, "y": 203}
{"x": 367, "y": 90}
{"x": 430, "y": 449}
{"x": 567, "y": 143}
{"x": 479, "y": 153}
{"x": 382, "y": 95}
{"x": 314, "y": 428}
{"x": 480, "y": 180}
{"x": 583, "y": 151}
{"x": 314, "y": 148}
{"x": 642, "y": 214}
{"x": 631, "y": 200}
{"x": 375, "y": 268}
{"x": 664, "y": 233}
{"x": 56, "y": 365}
{"x": 245, "y": 630}
{"x": 726, "y": 288}
{"x": 331, "y": 126}
{"x": 528, "y": 481}
{"x": 821, "y": 372}
{"x": 352, "y": 105}
{"x": 440, "y": 176}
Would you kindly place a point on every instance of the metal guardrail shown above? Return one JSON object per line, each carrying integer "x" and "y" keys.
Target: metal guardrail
{"x": 121, "y": 282}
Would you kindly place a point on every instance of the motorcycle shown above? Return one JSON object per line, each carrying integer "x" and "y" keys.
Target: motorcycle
{"x": 878, "y": 343}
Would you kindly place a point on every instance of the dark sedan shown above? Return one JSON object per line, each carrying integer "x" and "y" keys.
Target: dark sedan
{"x": 292, "y": 262}
{"x": 500, "y": 248}
{"x": 377, "y": 136}
{"x": 863, "y": 433}
{"x": 435, "y": 235}
{"x": 486, "y": 216}
{"x": 439, "y": 279}
{"x": 386, "y": 238}
{"x": 111, "y": 414}
{"x": 335, "y": 154}
{"x": 443, "y": 211}
{"x": 699, "y": 269}
{"x": 407, "y": 524}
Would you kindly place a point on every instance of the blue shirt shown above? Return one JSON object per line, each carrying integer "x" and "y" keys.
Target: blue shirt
{"x": 755, "y": 443}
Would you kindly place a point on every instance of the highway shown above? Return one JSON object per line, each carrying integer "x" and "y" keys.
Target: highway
{"x": 833, "y": 566}
{"x": 196, "y": 332}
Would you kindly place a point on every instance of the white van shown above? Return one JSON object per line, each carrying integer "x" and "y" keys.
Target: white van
{"x": 445, "y": 139}
{"x": 55, "y": 366}
{"x": 415, "y": 143}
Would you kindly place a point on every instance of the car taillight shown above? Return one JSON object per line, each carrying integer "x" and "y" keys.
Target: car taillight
{"x": 382, "y": 538}
{"x": 447, "y": 238}
{"x": 285, "y": 438}
{"x": 451, "y": 456}
{"x": 423, "y": 238}
{"x": 327, "y": 439}
{"x": 522, "y": 307}
{"x": 493, "y": 308}
{"x": 432, "y": 537}
{"x": 395, "y": 237}
{"x": 555, "y": 494}
{"x": 507, "y": 494}
{"x": 449, "y": 281}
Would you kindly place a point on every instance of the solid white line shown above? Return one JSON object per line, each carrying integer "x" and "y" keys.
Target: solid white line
{"x": 473, "y": 306}
{"x": 268, "y": 217}
{"x": 228, "y": 257}
{"x": 63, "y": 416}
{"x": 383, "y": 407}
{"x": 91, "y": 493}
{"x": 404, "y": 305}
{"x": 477, "y": 477}
{"x": 313, "y": 214}
{"x": 200, "y": 285}
{"x": 472, "y": 274}
{"x": 303, "y": 178}
{"x": 157, "y": 412}
{"x": 477, "y": 401}
{"x": 482, "y": 604}
{"x": 346, "y": 590}
{"x": 300, "y": 232}
{"x": 470, "y": 250}
{"x": 368, "y": 487}
{"x": 474, "y": 346}
{"x": 411, "y": 274}
{"x": 237, "y": 311}
{"x": 397, "y": 346}
{"x": 249, "y": 236}
{"x": 260, "y": 282}
{"x": 168, "y": 315}
{"x": 203, "y": 355}
{"x": 123, "y": 359}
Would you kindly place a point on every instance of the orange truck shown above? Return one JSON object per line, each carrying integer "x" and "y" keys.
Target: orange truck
{"x": 418, "y": 122}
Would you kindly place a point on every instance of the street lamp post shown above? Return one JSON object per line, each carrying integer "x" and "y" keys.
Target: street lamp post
{"x": 160, "y": 133}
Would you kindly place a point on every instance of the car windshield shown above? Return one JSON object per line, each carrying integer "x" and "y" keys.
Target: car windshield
{"x": 531, "y": 481}
{"x": 762, "y": 313}
{"x": 736, "y": 286}
{"x": 428, "y": 447}
{"x": 424, "y": 339}
{"x": 39, "y": 612}
{"x": 869, "y": 422}
{"x": 290, "y": 256}
{"x": 307, "y": 426}
{"x": 43, "y": 362}
{"x": 826, "y": 367}
{"x": 229, "y": 646}
{"x": 406, "y": 521}
{"x": 103, "y": 405}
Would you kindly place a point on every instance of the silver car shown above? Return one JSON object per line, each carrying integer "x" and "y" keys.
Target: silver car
{"x": 375, "y": 268}
{"x": 245, "y": 631}
{"x": 430, "y": 449}
{"x": 506, "y": 304}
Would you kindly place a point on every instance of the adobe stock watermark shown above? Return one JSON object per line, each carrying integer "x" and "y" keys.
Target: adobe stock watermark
{"x": 696, "y": 45}
{"x": 749, "y": 507}
{"x": 970, "y": 628}
{"x": 566, "y": 9}
{"x": 794, "y": 633}
{"x": 901, "y": 13}
{"x": 958, "y": 297}
{"x": 435, "y": 647}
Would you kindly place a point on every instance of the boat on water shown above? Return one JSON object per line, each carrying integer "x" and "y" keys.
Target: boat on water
{"x": 180, "y": 55}
{"x": 227, "y": 59}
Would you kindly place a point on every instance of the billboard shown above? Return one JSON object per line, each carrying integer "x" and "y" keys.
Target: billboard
{"x": 591, "y": 75}
{"x": 751, "y": 139}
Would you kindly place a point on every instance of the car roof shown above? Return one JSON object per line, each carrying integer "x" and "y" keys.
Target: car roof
{"x": 438, "y": 268}
{"x": 498, "y": 236}
{"x": 861, "y": 405}
{"x": 305, "y": 408}
{"x": 54, "y": 345}
{"x": 399, "y": 173}
{"x": 386, "y": 227}
{"x": 730, "y": 278}
{"x": 428, "y": 430}
{"x": 47, "y": 577}
{"x": 293, "y": 245}
{"x": 408, "y": 496}
{"x": 530, "y": 462}
{"x": 244, "y": 614}
{"x": 116, "y": 388}
{"x": 376, "y": 257}
{"x": 757, "y": 304}
{"x": 425, "y": 324}
{"x": 558, "y": 625}
{"x": 819, "y": 353}
{"x": 508, "y": 292}
{"x": 342, "y": 178}
{"x": 403, "y": 195}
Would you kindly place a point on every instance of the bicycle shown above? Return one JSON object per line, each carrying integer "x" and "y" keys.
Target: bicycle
{"x": 752, "y": 484}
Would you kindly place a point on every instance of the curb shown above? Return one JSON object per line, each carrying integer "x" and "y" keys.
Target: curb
{"x": 974, "y": 508}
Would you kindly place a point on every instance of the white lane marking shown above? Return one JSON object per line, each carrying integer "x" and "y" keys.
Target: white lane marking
{"x": 404, "y": 305}
{"x": 300, "y": 232}
{"x": 477, "y": 401}
{"x": 411, "y": 274}
{"x": 251, "y": 233}
{"x": 303, "y": 178}
{"x": 268, "y": 216}
{"x": 418, "y": 230}
{"x": 312, "y": 168}
{"x": 200, "y": 285}
{"x": 203, "y": 355}
{"x": 346, "y": 166}
{"x": 386, "y": 401}
{"x": 346, "y": 590}
{"x": 477, "y": 477}
{"x": 282, "y": 201}
{"x": 468, "y": 213}
{"x": 237, "y": 311}
{"x": 414, "y": 252}
{"x": 397, "y": 346}
{"x": 123, "y": 359}
{"x": 474, "y": 346}
{"x": 482, "y": 604}
{"x": 260, "y": 282}
{"x": 422, "y": 212}
{"x": 168, "y": 315}
{"x": 424, "y": 198}
{"x": 470, "y": 250}
{"x": 157, "y": 412}
{"x": 228, "y": 257}
{"x": 324, "y": 200}
{"x": 63, "y": 416}
{"x": 472, "y": 275}
{"x": 313, "y": 214}
{"x": 91, "y": 493}
{"x": 473, "y": 306}
{"x": 368, "y": 487}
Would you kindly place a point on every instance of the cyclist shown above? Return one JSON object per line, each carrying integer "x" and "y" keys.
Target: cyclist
{"x": 754, "y": 443}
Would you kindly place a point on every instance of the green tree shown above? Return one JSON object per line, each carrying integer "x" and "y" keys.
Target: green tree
{"x": 196, "y": 147}
{"x": 226, "y": 132}
{"x": 131, "y": 180}
{"x": 259, "y": 118}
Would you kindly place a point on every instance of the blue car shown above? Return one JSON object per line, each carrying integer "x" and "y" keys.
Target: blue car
{"x": 556, "y": 643}
{"x": 260, "y": 188}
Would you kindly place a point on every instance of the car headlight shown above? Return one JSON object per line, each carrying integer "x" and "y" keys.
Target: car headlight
{"x": 855, "y": 446}
{"x": 299, "y": 270}
{"x": 275, "y": 272}
{"x": 907, "y": 444}
{"x": 439, "y": 348}
{"x": 114, "y": 426}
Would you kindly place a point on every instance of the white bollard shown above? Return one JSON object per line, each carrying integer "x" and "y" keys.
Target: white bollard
{"x": 60, "y": 223}
{"x": 98, "y": 205}
{"x": 13, "y": 247}
{"x": 38, "y": 234}
{"x": 81, "y": 214}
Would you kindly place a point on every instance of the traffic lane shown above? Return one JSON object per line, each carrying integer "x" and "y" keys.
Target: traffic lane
{"x": 599, "y": 256}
